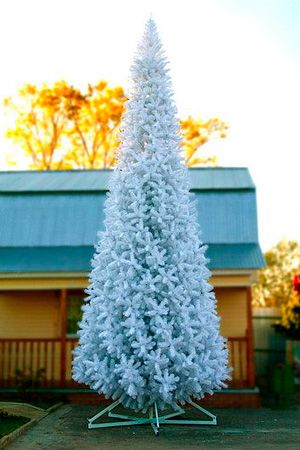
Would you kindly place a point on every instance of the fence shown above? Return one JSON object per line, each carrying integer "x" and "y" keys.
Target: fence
{"x": 269, "y": 345}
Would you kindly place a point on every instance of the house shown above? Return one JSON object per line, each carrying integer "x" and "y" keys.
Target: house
{"x": 48, "y": 227}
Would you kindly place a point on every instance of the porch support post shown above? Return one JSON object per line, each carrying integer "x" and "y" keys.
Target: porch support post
{"x": 250, "y": 350}
{"x": 63, "y": 335}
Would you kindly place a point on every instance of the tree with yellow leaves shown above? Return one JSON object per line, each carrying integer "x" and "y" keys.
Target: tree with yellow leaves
{"x": 94, "y": 125}
{"x": 59, "y": 127}
{"x": 274, "y": 286}
{"x": 279, "y": 285}
{"x": 41, "y": 122}
{"x": 195, "y": 133}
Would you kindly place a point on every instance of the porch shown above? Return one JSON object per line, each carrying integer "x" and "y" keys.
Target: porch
{"x": 28, "y": 352}
{"x": 53, "y": 358}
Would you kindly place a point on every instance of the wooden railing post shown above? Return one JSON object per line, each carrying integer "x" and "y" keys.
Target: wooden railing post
{"x": 63, "y": 335}
{"x": 250, "y": 350}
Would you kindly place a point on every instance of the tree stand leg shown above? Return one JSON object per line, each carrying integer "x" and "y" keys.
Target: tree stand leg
{"x": 154, "y": 419}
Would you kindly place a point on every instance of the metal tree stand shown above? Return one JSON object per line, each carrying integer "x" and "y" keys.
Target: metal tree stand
{"x": 154, "y": 419}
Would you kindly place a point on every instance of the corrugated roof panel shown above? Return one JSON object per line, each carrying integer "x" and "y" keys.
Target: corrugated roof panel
{"x": 96, "y": 180}
{"x": 54, "y": 181}
{"x": 227, "y": 217}
{"x": 50, "y": 219}
{"x": 45, "y": 259}
{"x": 219, "y": 178}
{"x": 235, "y": 256}
{"x": 78, "y": 259}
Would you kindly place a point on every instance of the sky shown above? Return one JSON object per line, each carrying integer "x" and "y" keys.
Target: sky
{"x": 234, "y": 59}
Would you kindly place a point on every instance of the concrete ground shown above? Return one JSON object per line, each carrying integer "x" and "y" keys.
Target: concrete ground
{"x": 240, "y": 429}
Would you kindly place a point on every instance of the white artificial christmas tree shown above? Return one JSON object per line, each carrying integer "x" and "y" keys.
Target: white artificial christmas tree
{"x": 150, "y": 331}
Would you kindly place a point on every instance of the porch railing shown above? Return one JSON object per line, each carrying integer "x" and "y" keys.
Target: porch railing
{"x": 37, "y": 359}
{"x": 48, "y": 362}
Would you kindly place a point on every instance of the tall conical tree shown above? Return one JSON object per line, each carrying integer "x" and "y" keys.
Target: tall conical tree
{"x": 150, "y": 330}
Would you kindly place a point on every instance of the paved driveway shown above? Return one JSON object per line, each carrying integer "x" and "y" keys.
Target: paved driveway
{"x": 66, "y": 429}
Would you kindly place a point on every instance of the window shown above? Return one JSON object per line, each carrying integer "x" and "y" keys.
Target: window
{"x": 74, "y": 313}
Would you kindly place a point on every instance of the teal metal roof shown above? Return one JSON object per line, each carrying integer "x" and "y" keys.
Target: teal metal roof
{"x": 96, "y": 180}
{"x": 70, "y": 219}
{"x": 78, "y": 259}
{"x": 49, "y": 220}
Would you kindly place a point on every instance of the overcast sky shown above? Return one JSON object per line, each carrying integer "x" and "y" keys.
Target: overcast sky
{"x": 235, "y": 59}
